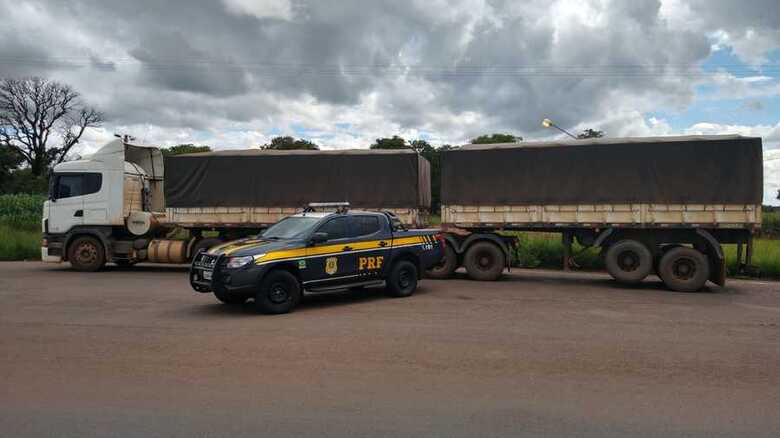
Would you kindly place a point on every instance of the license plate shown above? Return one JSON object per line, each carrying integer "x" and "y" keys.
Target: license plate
{"x": 207, "y": 275}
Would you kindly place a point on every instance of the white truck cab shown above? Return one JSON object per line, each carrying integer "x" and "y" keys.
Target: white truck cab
{"x": 91, "y": 199}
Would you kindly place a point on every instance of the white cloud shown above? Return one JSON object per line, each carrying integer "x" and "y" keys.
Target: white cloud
{"x": 260, "y": 8}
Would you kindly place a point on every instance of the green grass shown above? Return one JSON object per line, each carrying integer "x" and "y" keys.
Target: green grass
{"x": 20, "y": 229}
{"x": 19, "y": 244}
{"x": 766, "y": 256}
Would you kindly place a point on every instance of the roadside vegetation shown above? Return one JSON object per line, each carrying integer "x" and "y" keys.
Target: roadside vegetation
{"x": 20, "y": 226}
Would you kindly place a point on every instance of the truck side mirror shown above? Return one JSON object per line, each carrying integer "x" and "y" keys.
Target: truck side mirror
{"x": 318, "y": 238}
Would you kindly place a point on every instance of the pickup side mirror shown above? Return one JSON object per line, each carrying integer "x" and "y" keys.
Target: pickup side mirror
{"x": 318, "y": 238}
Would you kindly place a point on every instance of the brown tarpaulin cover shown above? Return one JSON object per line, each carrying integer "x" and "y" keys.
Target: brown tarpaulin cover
{"x": 255, "y": 178}
{"x": 661, "y": 170}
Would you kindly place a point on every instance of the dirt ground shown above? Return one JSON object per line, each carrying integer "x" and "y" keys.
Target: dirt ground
{"x": 135, "y": 352}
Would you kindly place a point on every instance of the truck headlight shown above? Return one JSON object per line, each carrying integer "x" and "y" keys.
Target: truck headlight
{"x": 237, "y": 262}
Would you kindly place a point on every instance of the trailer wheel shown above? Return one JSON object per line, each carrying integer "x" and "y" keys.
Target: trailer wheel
{"x": 684, "y": 269}
{"x": 279, "y": 293}
{"x": 629, "y": 261}
{"x": 447, "y": 266}
{"x": 228, "y": 298}
{"x": 86, "y": 254}
{"x": 484, "y": 261}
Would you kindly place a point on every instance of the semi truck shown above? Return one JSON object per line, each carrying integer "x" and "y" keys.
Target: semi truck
{"x": 661, "y": 205}
{"x": 128, "y": 203}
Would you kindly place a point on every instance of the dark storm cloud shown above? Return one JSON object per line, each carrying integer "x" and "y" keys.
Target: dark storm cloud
{"x": 191, "y": 63}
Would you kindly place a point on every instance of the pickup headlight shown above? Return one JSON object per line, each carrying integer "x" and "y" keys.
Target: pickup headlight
{"x": 237, "y": 262}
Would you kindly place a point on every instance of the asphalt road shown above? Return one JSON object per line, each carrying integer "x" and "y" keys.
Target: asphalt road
{"x": 135, "y": 352}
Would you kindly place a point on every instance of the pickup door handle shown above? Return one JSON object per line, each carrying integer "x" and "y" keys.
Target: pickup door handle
{"x": 382, "y": 243}
{"x": 78, "y": 213}
{"x": 347, "y": 248}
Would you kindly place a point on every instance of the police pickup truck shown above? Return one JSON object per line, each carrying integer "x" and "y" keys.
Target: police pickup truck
{"x": 317, "y": 251}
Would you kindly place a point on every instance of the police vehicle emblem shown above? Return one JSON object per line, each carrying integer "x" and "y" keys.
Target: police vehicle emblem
{"x": 331, "y": 265}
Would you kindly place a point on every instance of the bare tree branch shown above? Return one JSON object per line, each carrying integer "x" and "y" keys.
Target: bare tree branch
{"x": 31, "y": 109}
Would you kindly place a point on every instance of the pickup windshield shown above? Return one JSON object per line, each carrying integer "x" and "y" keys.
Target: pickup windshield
{"x": 291, "y": 228}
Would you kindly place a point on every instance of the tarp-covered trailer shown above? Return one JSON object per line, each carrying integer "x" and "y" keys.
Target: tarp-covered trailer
{"x": 256, "y": 188}
{"x": 656, "y": 193}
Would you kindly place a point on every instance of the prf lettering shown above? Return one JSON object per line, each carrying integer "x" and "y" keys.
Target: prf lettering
{"x": 370, "y": 263}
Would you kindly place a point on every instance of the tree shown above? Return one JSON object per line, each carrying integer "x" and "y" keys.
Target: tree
{"x": 9, "y": 161}
{"x": 590, "y": 133}
{"x": 289, "y": 143}
{"x": 188, "y": 148}
{"x": 395, "y": 142}
{"x": 33, "y": 110}
{"x": 422, "y": 147}
{"x": 496, "y": 138}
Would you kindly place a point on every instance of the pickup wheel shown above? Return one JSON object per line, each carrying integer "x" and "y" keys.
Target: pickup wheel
{"x": 629, "y": 261}
{"x": 279, "y": 293}
{"x": 684, "y": 269}
{"x": 86, "y": 254}
{"x": 447, "y": 266}
{"x": 402, "y": 281}
{"x": 228, "y": 298}
{"x": 484, "y": 261}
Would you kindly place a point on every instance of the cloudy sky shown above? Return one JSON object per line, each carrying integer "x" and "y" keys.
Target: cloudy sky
{"x": 234, "y": 73}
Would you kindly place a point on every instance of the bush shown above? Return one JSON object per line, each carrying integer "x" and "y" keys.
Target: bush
{"x": 21, "y": 211}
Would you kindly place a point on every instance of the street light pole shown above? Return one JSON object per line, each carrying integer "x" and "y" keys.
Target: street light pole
{"x": 547, "y": 123}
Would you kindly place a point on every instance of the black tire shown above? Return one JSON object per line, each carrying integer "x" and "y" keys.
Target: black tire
{"x": 629, "y": 261}
{"x": 447, "y": 266}
{"x": 684, "y": 269}
{"x": 662, "y": 250}
{"x": 484, "y": 261}
{"x": 86, "y": 254}
{"x": 402, "y": 281}
{"x": 205, "y": 244}
{"x": 279, "y": 293}
{"x": 230, "y": 298}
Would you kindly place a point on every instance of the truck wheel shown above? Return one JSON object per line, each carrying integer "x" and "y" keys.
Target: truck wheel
{"x": 684, "y": 269}
{"x": 204, "y": 244}
{"x": 629, "y": 261}
{"x": 86, "y": 254}
{"x": 228, "y": 298}
{"x": 402, "y": 281}
{"x": 484, "y": 261}
{"x": 447, "y": 266}
{"x": 663, "y": 249}
{"x": 279, "y": 293}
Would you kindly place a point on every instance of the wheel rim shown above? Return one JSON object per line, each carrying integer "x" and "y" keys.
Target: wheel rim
{"x": 86, "y": 254}
{"x": 684, "y": 268}
{"x": 628, "y": 261}
{"x": 484, "y": 261}
{"x": 278, "y": 293}
{"x": 404, "y": 279}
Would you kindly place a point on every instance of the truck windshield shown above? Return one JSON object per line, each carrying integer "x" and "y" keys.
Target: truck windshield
{"x": 291, "y": 228}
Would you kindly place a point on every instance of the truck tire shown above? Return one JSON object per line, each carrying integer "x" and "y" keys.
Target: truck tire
{"x": 662, "y": 250}
{"x": 684, "y": 269}
{"x": 228, "y": 298}
{"x": 484, "y": 261}
{"x": 86, "y": 254}
{"x": 402, "y": 281}
{"x": 279, "y": 293}
{"x": 447, "y": 267}
{"x": 204, "y": 244}
{"x": 629, "y": 261}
